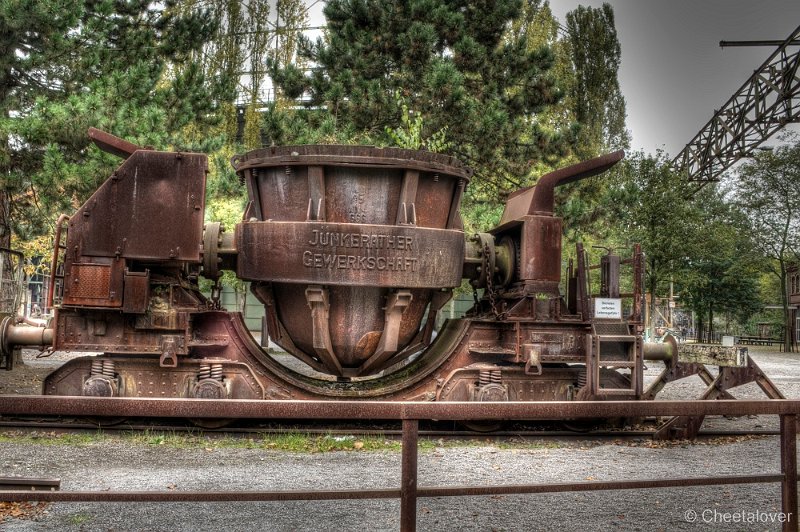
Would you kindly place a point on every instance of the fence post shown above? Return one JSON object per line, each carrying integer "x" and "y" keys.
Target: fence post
{"x": 789, "y": 470}
{"x": 408, "y": 487}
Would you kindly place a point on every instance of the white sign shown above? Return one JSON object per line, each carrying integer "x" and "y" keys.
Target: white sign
{"x": 608, "y": 308}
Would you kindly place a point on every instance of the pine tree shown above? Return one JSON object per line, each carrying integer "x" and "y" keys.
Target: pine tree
{"x": 454, "y": 66}
{"x": 130, "y": 67}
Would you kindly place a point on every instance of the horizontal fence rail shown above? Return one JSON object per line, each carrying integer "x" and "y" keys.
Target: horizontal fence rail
{"x": 386, "y": 410}
{"x": 410, "y": 413}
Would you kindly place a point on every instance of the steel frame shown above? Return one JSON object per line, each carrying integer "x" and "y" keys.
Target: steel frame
{"x": 764, "y": 104}
{"x": 410, "y": 413}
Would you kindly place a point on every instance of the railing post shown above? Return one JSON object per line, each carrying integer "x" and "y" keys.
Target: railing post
{"x": 408, "y": 488}
{"x": 789, "y": 470}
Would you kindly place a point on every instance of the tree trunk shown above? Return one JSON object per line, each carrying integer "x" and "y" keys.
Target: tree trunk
{"x": 787, "y": 316}
{"x": 700, "y": 329}
{"x": 710, "y": 324}
{"x": 653, "y": 283}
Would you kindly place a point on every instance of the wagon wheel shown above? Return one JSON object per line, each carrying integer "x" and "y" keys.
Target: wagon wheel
{"x": 611, "y": 378}
{"x": 484, "y": 426}
{"x": 211, "y": 423}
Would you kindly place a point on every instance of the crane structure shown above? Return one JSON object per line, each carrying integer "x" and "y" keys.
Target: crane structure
{"x": 769, "y": 100}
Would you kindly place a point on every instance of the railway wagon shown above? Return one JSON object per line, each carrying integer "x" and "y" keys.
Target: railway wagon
{"x": 353, "y": 251}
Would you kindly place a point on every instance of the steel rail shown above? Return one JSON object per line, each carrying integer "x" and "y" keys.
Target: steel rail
{"x": 28, "y": 484}
{"x": 364, "y": 431}
{"x": 390, "y": 493}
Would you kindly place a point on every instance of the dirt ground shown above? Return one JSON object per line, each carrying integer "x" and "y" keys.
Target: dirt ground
{"x": 23, "y": 380}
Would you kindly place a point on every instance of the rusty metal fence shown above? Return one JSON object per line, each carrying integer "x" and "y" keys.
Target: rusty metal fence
{"x": 410, "y": 413}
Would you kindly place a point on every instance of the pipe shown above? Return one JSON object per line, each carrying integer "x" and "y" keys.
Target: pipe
{"x": 112, "y": 144}
{"x": 12, "y": 336}
{"x": 542, "y": 202}
{"x": 665, "y": 351}
{"x": 25, "y": 335}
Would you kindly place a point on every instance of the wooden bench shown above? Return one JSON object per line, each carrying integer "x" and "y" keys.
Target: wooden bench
{"x": 757, "y": 340}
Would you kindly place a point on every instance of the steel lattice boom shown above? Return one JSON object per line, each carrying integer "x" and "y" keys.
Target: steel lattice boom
{"x": 769, "y": 100}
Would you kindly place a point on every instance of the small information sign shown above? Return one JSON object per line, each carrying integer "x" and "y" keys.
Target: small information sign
{"x": 608, "y": 308}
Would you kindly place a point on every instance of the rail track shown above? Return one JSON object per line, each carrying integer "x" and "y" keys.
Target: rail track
{"x": 433, "y": 430}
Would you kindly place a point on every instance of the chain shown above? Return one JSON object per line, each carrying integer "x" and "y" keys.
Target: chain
{"x": 489, "y": 283}
{"x": 216, "y": 290}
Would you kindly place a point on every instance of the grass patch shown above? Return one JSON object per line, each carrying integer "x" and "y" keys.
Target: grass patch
{"x": 328, "y": 443}
{"x": 78, "y": 519}
{"x": 529, "y": 445}
{"x": 284, "y": 441}
{"x": 281, "y": 441}
{"x": 500, "y": 444}
{"x": 74, "y": 439}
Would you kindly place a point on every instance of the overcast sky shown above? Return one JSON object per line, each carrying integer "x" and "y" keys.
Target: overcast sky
{"x": 674, "y": 74}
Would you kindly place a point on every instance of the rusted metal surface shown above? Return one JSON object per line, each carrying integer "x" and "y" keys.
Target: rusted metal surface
{"x": 413, "y": 492}
{"x": 363, "y": 224}
{"x": 112, "y": 144}
{"x": 344, "y": 254}
{"x": 542, "y": 200}
{"x": 194, "y": 378}
{"x": 789, "y": 470}
{"x": 151, "y": 208}
{"x": 198, "y": 496}
{"x": 598, "y": 485}
{"x": 136, "y": 294}
{"x": 728, "y": 377}
{"x": 538, "y": 199}
{"x": 348, "y": 248}
{"x": 408, "y": 480}
{"x": 95, "y": 284}
{"x": 350, "y": 156}
{"x": 456, "y": 410}
{"x": 55, "y": 288}
{"x": 25, "y": 335}
{"x": 541, "y": 250}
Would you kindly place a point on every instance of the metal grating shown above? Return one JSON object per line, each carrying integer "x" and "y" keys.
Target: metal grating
{"x": 611, "y": 329}
{"x": 90, "y": 281}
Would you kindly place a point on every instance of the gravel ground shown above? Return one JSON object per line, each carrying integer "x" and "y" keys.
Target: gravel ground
{"x": 111, "y": 464}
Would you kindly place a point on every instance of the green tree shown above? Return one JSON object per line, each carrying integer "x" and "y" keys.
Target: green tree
{"x": 766, "y": 192}
{"x": 722, "y": 275}
{"x": 130, "y": 67}
{"x": 27, "y": 70}
{"x": 593, "y": 92}
{"x": 587, "y": 67}
{"x": 647, "y": 204}
{"x": 455, "y": 66}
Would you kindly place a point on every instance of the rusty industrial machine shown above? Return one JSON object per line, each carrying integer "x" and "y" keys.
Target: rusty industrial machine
{"x": 353, "y": 251}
